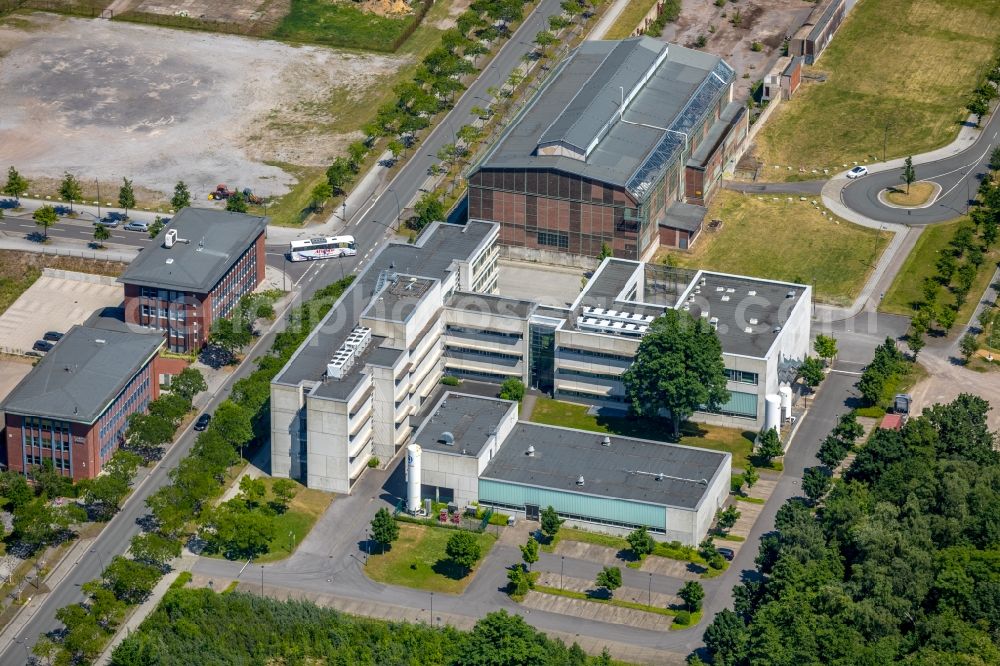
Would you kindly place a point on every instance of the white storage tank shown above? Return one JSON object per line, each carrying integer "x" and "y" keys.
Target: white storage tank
{"x": 772, "y": 412}
{"x": 786, "y": 401}
{"x": 413, "y": 478}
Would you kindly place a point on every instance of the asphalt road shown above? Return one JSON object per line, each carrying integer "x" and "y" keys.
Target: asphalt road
{"x": 371, "y": 228}
{"x": 959, "y": 177}
{"x": 330, "y": 559}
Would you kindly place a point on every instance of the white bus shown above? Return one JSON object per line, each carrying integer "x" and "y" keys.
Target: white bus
{"x": 325, "y": 247}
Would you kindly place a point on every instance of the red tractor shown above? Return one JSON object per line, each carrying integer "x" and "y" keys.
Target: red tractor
{"x": 221, "y": 193}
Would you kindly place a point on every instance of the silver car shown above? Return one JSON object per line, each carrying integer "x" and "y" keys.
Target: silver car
{"x": 136, "y": 225}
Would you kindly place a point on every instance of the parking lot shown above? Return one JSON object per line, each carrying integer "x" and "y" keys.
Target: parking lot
{"x": 55, "y": 302}
{"x": 12, "y": 370}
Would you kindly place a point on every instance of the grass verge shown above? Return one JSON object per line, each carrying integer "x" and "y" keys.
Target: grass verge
{"x": 907, "y": 288}
{"x": 884, "y": 71}
{"x": 750, "y": 500}
{"x": 19, "y": 270}
{"x": 292, "y": 526}
{"x": 417, "y": 559}
{"x": 784, "y": 240}
{"x": 344, "y": 25}
{"x": 693, "y": 618}
{"x": 717, "y": 438}
{"x": 918, "y": 194}
{"x": 628, "y": 20}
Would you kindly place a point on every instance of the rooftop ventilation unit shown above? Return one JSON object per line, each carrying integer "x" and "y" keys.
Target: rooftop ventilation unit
{"x": 605, "y": 441}
{"x": 447, "y": 438}
{"x": 730, "y": 290}
{"x": 720, "y": 288}
{"x": 790, "y": 294}
{"x": 748, "y": 330}
{"x": 725, "y": 298}
{"x": 530, "y": 452}
{"x": 659, "y": 477}
{"x": 356, "y": 343}
{"x": 776, "y": 329}
{"x": 579, "y": 480}
{"x": 753, "y": 321}
{"x": 752, "y": 292}
{"x": 170, "y": 238}
{"x": 170, "y": 260}
{"x": 702, "y": 282}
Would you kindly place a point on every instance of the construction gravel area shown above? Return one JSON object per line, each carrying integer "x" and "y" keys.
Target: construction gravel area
{"x": 736, "y": 26}
{"x": 109, "y": 100}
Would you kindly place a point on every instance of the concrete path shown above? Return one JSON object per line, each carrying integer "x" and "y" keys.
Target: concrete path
{"x": 608, "y": 20}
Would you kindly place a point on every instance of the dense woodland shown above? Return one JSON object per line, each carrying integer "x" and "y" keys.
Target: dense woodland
{"x": 246, "y": 630}
{"x": 898, "y": 563}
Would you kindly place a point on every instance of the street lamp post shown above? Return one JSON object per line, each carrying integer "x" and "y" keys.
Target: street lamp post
{"x": 101, "y": 559}
{"x": 98, "y": 183}
{"x": 649, "y": 592}
{"x": 432, "y": 609}
{"x": 399, "y": 210}
{"x": 262, "y": 580}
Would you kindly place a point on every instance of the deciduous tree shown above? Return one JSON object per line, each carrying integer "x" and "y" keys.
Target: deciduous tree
{"x": 529, "y": 552}
{"x": 512, "y": 388}
{"x": 126, "y": 197}
{"x": 283, "y": 490}
{"x": 969, "y": 346}
{"x": 692, "y": 593}
{"x": 641, "y": 542}
{"x": 825, "y": 347}
{"x": 70, "y": 190}
{"x": 728, "y": 518}
{"x": 182, "y": 197}
{"x": 45, "y": 217}
{"x": 188, "y": 383}
{"x": 101, "y": 234}
{"x": 811, "y": 372}
{"x": 750, "y": 476}
{"x": 550, "y": 522}
{"x": 232, "y": 421}
{"x": 16, "y": 185}
{"x": 769, "y": 444}
{"x": 130, "y": 581}
{"x": 154, "y": 549}
{"x": 678, "y": 368}
{"x": 816, "y": 482}
{"x": 463, "y": 549}
{"x": 609, "y": 579}
{"x": 384, "y": 528}
{"x": 909, "y": 175}
{"x": 236, "y": 203}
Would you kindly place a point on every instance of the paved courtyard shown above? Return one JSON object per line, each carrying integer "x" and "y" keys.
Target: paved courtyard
{"x": 55, "y": 302}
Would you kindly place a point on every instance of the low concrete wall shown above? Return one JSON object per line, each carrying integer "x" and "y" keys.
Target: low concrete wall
{"x": 548, "y": 257}
{"x": 80, "y": 277}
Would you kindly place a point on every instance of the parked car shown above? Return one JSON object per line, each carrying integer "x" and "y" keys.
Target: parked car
{"x": 136, "y": 225}
{"x": 857, "y": 172}
{"x": 42, "y": 346}
{"x": 52, "y": 336}
{"x": 106, "y": 222}
{"x": 202, "y": 421}
{"x": 34, "y": 354}
{"x": 727, "y": 553}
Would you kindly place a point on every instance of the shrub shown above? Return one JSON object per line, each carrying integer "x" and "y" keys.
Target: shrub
{"x": 756, "y": 46}
{"x": 682, "y": 617}
{"x": 449, "y": 380}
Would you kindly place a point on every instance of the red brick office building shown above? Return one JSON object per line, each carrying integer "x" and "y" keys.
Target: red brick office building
{"x": 73, "y": 407}
{"x": 623, "y": 146}
{"x": 206, "y": 261}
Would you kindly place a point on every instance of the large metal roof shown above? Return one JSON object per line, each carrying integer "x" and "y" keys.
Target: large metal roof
{"x": 667, "y": 89}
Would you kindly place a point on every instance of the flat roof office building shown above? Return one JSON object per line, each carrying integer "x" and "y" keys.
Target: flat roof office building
{"x": 474, "y": 450}
{"x": 73, "y": 407}
{"x": 205, "y": 262}
{"x": 348, "y": 393}
{"x": 622, "y": 146}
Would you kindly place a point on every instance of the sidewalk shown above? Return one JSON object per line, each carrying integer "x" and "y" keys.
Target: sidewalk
{"x": 68, "y": 248}
{"x": 9, "y": 634}
{"x": 608, "y": 20}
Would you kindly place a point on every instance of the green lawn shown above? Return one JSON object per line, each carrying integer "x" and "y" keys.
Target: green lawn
{"x": 906, "y": 289}
{"x": 621, "y": 603}
{"x": 294, "y": 524}
{"x": 909, "y": 63}
{"x": 571, "y": 415}
{"x": 784, "y": 240}
{"x": 417, "y": 559}
{"x": 342, "y": 24}
{"x": 629, "y": 19}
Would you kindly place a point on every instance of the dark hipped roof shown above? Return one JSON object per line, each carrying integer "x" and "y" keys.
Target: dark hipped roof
{"x": 627, "y": 469}
{"x": 83, "y": 374}
{"x": 215, "y": 240}
{"x": 580, "y": 100}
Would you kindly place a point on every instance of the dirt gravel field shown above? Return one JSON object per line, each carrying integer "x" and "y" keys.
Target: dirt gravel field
{"x": 109, "y": 100}
{"x": 730, "y": 31}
